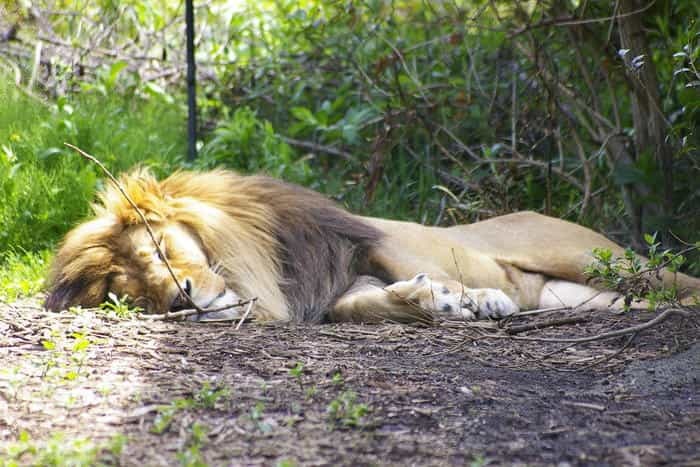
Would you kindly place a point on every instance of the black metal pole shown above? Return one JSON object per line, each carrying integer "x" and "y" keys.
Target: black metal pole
{"x": 191, "y": 84}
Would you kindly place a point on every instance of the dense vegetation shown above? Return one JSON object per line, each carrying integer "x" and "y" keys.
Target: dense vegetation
{"x": 439, "y": 112}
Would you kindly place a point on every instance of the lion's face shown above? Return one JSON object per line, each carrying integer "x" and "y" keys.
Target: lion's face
{"x": 101, "y": 257}
{"x": 217, "y": 230}
{"x": 143, "y": 276}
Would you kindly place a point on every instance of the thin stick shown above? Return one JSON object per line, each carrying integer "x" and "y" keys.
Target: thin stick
{"x": 174, "y": 315}
{"x": 611, "y": 356}
{"x": 607, "y": 335}
{"x": 245, "y": 315}
{"x": 539, "y": 311}
{"x": 546, "y": 324}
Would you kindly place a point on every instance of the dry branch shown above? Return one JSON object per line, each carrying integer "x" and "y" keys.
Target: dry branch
{"x": 609, "y": 335}
{"x": 546, "y": 324}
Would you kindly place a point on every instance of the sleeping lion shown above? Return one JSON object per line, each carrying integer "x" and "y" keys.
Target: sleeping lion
{"x": 230, "y": 238}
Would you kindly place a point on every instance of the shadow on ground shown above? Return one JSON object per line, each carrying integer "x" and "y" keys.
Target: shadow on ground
{"x": 349, "y": 394}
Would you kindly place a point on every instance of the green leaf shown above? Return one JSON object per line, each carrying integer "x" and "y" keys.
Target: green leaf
{"x": 114, "y": 71}
{"x": 650, "y": 239}
{"x": 305, "y": 115}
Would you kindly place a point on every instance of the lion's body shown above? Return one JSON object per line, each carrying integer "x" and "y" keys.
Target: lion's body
{"x": 230, "y": 237}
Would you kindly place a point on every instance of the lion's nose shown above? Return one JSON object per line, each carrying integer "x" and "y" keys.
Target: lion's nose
{"x": 181, "y": 301}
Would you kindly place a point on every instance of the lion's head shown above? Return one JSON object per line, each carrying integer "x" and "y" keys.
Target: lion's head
{"x": 209, "y": 246}
{"x": 227, "y": 238}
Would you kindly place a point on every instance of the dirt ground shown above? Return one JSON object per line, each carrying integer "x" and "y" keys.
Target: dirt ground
{"x": 156, "y": 393}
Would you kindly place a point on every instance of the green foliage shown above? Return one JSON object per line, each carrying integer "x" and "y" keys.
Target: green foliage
{"x": 344, "y": 410}
{"x": 60, "y": 450}
{"x": 22, "y": 274}
{"x": 205, "y": 398}
{"x": 632, "y": 277}
{"x": 46, "y": 188}
{"x": 248, "y": 144}
{"x": 120, "y": 306}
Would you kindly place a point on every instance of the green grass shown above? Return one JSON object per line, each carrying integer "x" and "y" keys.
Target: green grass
{"x": 60, "y": 450}
{"x": 45, "y": 187}
{"x": 22, "y": 274}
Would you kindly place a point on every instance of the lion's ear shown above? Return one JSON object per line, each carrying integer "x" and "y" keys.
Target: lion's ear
{"x": 66, "y": 293}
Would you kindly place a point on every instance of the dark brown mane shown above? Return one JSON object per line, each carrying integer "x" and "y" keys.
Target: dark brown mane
{"x": 320, "y": 247}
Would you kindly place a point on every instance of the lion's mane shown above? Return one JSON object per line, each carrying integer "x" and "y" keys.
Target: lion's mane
{"x": 290, "y": 247}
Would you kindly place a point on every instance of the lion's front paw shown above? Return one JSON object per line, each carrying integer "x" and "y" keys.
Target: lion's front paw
{"x": 453, "y": 299}
{"x": 492, "y": 303}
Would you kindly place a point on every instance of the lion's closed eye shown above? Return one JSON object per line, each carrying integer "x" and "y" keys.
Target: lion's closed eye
{"x": 159, "y": 254}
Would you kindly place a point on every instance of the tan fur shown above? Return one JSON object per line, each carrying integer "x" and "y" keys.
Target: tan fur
{"x": 299, "y": 254}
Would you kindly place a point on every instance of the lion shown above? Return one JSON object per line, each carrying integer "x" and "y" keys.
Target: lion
{"x": 230, "y": 237}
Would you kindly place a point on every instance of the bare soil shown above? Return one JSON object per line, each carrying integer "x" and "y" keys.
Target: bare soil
{"x": 447, "y": 394}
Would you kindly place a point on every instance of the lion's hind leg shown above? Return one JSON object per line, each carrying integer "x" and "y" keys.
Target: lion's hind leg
{"x": 565, "y": 294}
{"x": 420, "y": 298}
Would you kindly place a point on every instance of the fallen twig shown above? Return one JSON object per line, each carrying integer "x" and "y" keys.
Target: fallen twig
{"x": 612, "y": 355}
{"x": 546, "y": 324}
{"x": 245, "y": 315}
{"x": 606, "y": 335}
{"x": 585, "y": 405}
{"x": 319, "y": 147}
{"x": 539, "y": 311}
{"x": 176, "y": 315}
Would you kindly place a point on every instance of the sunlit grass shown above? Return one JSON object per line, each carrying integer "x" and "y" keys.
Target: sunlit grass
{"x": 22, "y": 274}
{"x": 45, "y": 187}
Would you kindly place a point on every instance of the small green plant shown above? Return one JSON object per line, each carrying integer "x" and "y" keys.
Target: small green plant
{"x": 66, "y": 354}
{"x": 205, "y": 398}
{"x": 120, "y": 306}
{"x": 344, "y": 410}
{"x": 479, "y": 461}
{"x": 286, "y": 463}
{"x": 78, "y": 355}
{"x": 257, "y": 411}
{"x": 208, "y": 396}
{"x": 297, "y": 372}
{"x": 58, "y": 450}
{"x": 191, "y": 456}
{"x": 165, "y": 414}
{"x": 256, "y": 416}
{"x": 337, "y": 379}
{"x": 633, "y": 278}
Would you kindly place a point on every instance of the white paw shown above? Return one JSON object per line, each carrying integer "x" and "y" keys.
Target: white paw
{"x": 455, "y": 300}
{"x": 492, "y": 303}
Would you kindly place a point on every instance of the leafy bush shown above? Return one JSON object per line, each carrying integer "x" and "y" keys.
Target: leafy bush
{"x": 247, "y": 144}
{"x": 634, "y": 278}
{"x": 46, "y": 188}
